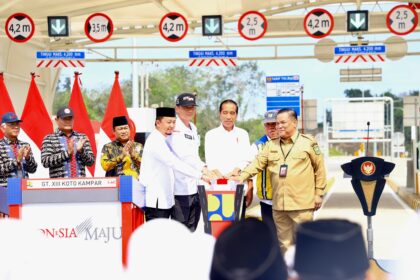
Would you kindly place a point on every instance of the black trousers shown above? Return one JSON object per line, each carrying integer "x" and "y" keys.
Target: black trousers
{"x": 267, "y": 214}
{"x": 154, "y": 213}
{"x": 187, "y": 210}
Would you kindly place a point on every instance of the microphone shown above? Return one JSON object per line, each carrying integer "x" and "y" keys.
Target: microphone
{"x": 367, "y": 139}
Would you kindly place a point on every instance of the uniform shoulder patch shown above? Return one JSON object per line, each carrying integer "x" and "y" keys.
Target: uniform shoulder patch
{"x": 316, "y": 148}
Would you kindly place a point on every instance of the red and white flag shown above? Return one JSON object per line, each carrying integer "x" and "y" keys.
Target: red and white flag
{"x": 116, "y": 107}
{"x": 5, "y": 102}
{"x": 82, "y": 122}
{"x": 35, "y": 126}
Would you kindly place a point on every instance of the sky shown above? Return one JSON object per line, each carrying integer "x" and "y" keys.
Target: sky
{"x": 320, "y": 79}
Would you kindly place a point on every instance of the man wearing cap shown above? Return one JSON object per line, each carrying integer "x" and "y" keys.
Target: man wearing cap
{"x": 122, "y": 156}
{"x": 297, "y": 175}
{"x": 263, "y": 183}
{"x": 158, "y": 166}
{"x": 185, "y": 142}
{"x": 66, "y": 152}
{"x": 16, "y": 158}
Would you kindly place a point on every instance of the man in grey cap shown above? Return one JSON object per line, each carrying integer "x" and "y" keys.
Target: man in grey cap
{"x": 185, "y": 142}
{"x": 16, "y": 158}
{"x": 263, "y": 182}
{"x": 66, "y": 152}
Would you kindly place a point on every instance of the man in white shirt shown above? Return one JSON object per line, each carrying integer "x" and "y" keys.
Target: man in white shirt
{"x": 158, "y": 166}
{"x": 227, "y": 147}
{"x": 185, "y": 142}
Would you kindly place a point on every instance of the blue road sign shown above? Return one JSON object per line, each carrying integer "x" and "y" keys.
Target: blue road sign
{"x": 213, "y": 54}
{"x": 282, "y": 79}
{"x": 378, "y": 49}
{"x": 59, "y": 55}
{"x": 284, "y": 102}
{"x": 283, "y": 92}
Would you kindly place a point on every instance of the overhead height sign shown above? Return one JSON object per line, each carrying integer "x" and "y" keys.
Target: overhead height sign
{"x": 99, "y": 27}
{"x": 357, "y": 21}
{"x": 252, "y": 25}
{"x": 318, "y": 23}
{"x": 58, "y": 59}
{"x": 20, "y": 27}
{"x": 173, "y": 27}
{"x": 345, "y": 54}
{"x": 58, "y": 26}
{"x": 213, "y": 58}
{"x": 402, "y": 20}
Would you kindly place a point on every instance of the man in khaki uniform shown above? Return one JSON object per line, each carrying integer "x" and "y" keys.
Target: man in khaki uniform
{"x": 297, "y": 175}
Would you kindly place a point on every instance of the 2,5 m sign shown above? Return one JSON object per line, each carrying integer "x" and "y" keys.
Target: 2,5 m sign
{"x": 20, "y": 27}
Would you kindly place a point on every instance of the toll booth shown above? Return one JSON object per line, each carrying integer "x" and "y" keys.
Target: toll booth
{"x": 100, "y": 211}
{"x": 221, "y": 204}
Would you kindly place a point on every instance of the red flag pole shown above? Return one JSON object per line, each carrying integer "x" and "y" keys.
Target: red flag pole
{"x": 6, "y": 104}
{"x": 82, "y": 121}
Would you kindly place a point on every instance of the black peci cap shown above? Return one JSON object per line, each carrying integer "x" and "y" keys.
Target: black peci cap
{"x": 248, "y": 250}
{"x": 165, "y": 112}
{"x": 120, "y": 120}
{"x": 331, "y": 249}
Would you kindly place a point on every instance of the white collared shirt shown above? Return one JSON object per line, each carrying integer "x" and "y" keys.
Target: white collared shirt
{"x": 157, "y": 171}
{"x": 185, "y": 142}
{"x": 227, "y": 150}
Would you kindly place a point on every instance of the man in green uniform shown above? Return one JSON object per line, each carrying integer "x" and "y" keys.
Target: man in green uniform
{"x": 297, "y": 175}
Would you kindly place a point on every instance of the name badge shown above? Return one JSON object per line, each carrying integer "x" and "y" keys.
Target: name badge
{"x": 283, "y": 170}
{"x": 188, "y": 136}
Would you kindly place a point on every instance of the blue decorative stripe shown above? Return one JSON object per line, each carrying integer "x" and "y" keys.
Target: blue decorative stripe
{"x": 4, "y": 207}
{"x": 126, "y": 189}
{"x": 283, "y": 98}
{"x": 14, "y": 192}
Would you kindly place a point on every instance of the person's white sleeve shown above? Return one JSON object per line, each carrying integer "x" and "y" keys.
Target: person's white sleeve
{"x": 254, "y": 151}
{"x": 209, "y": 152}
{"x": 246, "y": 156}
{"x": 167, "y": 157}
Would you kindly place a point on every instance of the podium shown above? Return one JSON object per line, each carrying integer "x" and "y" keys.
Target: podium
{"x": 368, "y": 181}
{"x": 102, "y": 212}
{"x": 221, "y": 204}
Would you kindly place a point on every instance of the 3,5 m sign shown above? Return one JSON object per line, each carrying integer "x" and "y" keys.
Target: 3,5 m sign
{"x": 99, "y": 27}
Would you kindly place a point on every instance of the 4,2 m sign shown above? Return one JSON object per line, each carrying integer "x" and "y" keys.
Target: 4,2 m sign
{"x": 173, "y": 27}
{"x": 20, "y": 27}
{"x": 318, "y": 23}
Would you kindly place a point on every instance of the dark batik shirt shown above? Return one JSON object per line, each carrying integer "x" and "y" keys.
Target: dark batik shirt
{"x": 54, "y": 154}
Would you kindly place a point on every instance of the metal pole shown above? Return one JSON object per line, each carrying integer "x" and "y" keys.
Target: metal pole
{"x": 147, "y": 89}
{"x": 302, "y": 108}
{"x": 326, "y": 148}
{"x": 142, "y": 86}
{"x": 135, "y": 78}
{"x": 369, "y": 234}
{"x": 414, "y": 153}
